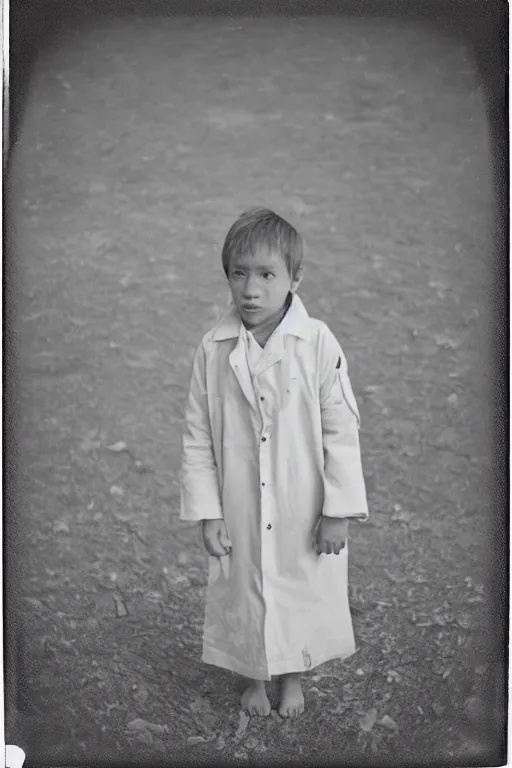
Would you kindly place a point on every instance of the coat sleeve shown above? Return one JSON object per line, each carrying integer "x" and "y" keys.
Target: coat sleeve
{"x": 200, "y": 496}
{"x": 344, "y": 486}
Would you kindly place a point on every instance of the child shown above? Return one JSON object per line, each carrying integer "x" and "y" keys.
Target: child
{"x": 272, "y": 468}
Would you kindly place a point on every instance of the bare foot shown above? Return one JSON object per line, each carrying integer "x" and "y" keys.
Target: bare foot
{"x": 292, "y": 698}
{"x": 255, "y": 700}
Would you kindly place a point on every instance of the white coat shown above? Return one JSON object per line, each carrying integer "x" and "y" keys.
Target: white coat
{"x": 270, "y": 454}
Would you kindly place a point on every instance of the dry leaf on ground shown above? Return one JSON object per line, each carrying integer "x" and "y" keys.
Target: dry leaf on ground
{"x": 144, "y": 725}
{"x": 242, "y": 725}
{"x": 368, "y": 720}
{"x": 196, "y": 740}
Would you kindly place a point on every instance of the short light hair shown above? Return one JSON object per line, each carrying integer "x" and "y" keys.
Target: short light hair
{"x": 262, "y": 227}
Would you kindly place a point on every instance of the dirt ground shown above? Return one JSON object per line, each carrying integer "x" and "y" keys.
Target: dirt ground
{"x": 143, "y": 138}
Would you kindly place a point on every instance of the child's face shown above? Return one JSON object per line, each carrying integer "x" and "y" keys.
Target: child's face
{"x": 260, "y": 284}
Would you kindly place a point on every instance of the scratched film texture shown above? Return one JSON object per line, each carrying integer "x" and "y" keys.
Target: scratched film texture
{"x": 142, "y": 136}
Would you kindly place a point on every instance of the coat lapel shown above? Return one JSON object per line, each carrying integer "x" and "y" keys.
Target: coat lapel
{"x": 295, "y": 323}
{"x": 238, "y": 363}
{"x": 286, "y": 380}
{"x": 273, "y": 352}
{"x": 277, "y": 354}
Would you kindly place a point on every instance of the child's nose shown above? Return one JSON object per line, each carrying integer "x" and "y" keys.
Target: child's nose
{"x": 250, "y": 289}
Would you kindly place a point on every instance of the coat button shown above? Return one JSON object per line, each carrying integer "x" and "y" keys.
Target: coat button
{"x": 262, "y": 399}
{"x": 269, "y": 527}
{"x": 263, "y": 439}
{"x": 263, "y": 484}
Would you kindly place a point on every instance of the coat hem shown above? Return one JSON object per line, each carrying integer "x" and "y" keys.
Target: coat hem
{"x": 224, "y": 661}
{"x": 291, "y": 668}
{"x": 220, "y": 659}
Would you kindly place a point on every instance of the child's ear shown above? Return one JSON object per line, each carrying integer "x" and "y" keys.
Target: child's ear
{"x": 297, "y": 280}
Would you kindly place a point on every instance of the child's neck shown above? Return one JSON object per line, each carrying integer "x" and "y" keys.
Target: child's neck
{"x": 264, "y": 331}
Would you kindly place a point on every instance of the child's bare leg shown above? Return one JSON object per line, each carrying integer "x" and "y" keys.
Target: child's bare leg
{"x": 255, "y": 700}
{"x": 292, "y": 698}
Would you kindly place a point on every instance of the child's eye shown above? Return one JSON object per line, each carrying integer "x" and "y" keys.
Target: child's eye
{"x": 237, "y": 273}
{"x": 268, "y": 275}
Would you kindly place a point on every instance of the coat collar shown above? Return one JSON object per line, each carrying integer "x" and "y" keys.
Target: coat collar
{"x": 295, "y": 322}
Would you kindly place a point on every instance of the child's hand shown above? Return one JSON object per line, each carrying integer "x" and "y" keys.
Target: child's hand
{"x": 215, "y": 537}
{"x": 331, "y": 535}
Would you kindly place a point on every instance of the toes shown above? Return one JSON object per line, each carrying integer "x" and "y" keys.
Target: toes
{"x": 255, "y": 710}
{"x": 291, "y": 712}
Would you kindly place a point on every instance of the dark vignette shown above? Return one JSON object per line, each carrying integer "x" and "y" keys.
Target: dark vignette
{"x": 35, "y": 24}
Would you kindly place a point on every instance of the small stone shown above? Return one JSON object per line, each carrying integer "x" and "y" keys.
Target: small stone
{"x": 116, "y": 491}
{"x": 118, "y": 447}
{"x": 388, "y": 723}
{"x": 196, "y": 740}
{"x": 180, "y": 579}
{"x": 157, "y": 728}
{"x": 401, "y": 516}
{"x": 220, "y": 743}
{"x": 447, "y": 343}
{"x": 360, "y": 672}
{"x": 136, "y": 725}
{"x": 60, "y": 526}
